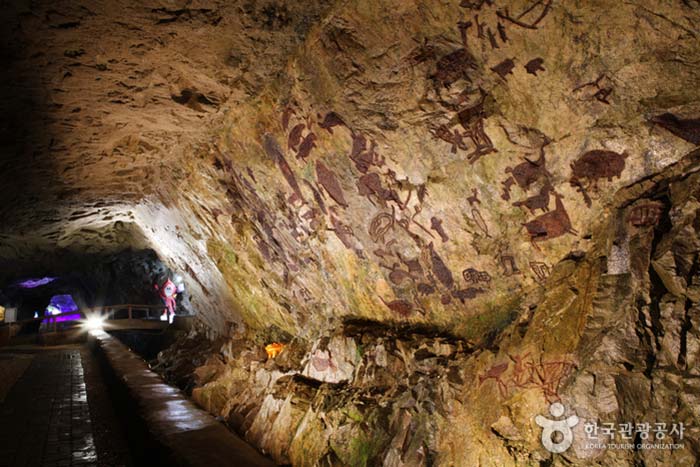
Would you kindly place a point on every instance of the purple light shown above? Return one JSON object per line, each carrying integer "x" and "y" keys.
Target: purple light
{"x": 61, "y": 304}
{"x": 32, "y": 283}
{"x": 63, "y": 318}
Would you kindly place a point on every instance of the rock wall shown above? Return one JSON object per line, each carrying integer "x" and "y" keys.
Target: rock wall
{"x": 434, "y": 164}
{"x": 500, "y": 194}
{"x": 611, "y": 336}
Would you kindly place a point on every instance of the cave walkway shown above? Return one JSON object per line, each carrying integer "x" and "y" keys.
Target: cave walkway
{"x": 99, "y": 404}
{"x": 45, "y": 417}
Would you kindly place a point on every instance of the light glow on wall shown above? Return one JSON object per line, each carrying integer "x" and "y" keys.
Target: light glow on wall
{"x": 33, "y": 283}
{"x": 61, "y": 304}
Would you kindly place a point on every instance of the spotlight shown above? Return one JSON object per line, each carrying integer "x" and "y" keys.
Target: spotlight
{"x": 94, "y": 323}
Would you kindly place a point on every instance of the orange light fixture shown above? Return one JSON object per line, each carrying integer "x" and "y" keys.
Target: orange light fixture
{"x": 273, "y": 349}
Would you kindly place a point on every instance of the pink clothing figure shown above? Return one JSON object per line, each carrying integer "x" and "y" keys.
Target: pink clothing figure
{"x": 168, "y": 293}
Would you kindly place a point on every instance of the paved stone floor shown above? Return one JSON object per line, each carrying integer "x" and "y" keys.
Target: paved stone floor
{"x": 45, "y": 417}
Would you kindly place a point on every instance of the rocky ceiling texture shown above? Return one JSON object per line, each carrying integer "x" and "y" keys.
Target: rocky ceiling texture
{"x": 507, "y": 189}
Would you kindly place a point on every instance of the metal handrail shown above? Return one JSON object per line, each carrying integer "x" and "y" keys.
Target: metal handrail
{"x": 108, "y": 309}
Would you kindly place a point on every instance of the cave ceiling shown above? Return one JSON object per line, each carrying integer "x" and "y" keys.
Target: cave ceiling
{"x": 306, "y": 162}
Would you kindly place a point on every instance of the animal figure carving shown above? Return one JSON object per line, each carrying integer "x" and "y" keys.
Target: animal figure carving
{"x": 331, "y": 119}
{"x": 482, "y": 143}
{"x": 426, "y": 289}
{"x": 327, "y": 179}
{"x": 402, "y": 307}
{"x": 440, "y": 269}
{"x": 286, "y": 115}
{"x": 534, "y": 65}
{"x": 371, "y": 185}
{"x": 525, "y": 174}
{"x": 495, "y": 373}
{"x": 345, "y": 234}
{"x": 539, "y": 201}
{"x": 306, "y": 146}
{"x": 504, "y": 68}
{"x": 550, "y": 225}
{"x": 453, "y": 67}
{"x": 466, "y": 294}
{"x": 274, "y": 151}
{"x": 520, "y": 20}
{"x": 593, "y": 166}
{"x": 527, "y": 372}
{"x": 523, "y": 371}
{"x": 454, "y": 137}
{"x": 398, "y": 275}
{"x": 295, "y": 136}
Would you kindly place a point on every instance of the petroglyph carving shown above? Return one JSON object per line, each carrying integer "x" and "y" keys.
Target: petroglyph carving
{"x": 454, "y": 137}
{"x": 274, "y": 151}
{"x": 306, "y": 146}
{"x": 440, "y": 269}
{"x": 463, "y": 26}
{"x": 480, "y": 222}
{"x": 317, "y": 196}
{"x": 545, "y": 375}
{"x": 509, "y": 266}
{"x": 380, "y": 225}
{"x": 473, "y": 276}
{"x": 328, "y": 180}
{"x": 453, "y": 67}
{"x": 426, "y": 289}
{"x": 599, "y": 89}
{"x": 504, "y": 68}
{"x": 550, "y": 225}
{"x": 402, "y": 307}
{"x": 541, "y": 271}
{"x": 525, "y": 174}
{"x": 521, "y": 19}
{"x": 496, "y": 373}
{"x": 646, "y": 214}
{"x": 330, "y": 120}
{"x": 482, "y": 142}
{"x": 538, "y": 201}
{"x": 474, "y": 198}
{"x": 286, "y": 115}
{"x": 371, "y": 185}
{"x": 534, "y": 65}
{"x": 436, "y": 225}
{"x": 422, "y": 53}
{"x": 397, "y": 275}
{"x": 467, "y": 294}
{"x": 362, "y": 157}
{"x": 593, "y": 166}
{"x": 294, "y": 138}
{"x": 343, "y": 231}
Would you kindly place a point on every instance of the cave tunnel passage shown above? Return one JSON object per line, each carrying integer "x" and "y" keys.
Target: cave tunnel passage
{"x": 67, "y": 401}
{"x": 90, "y": 280}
